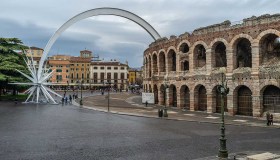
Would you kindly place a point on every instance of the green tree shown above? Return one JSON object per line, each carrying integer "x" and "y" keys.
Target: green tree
{"x": 10, "y": 60}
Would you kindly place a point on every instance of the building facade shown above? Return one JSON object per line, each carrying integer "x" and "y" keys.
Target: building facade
{"x": 135, "y": 76}
{"x": 36, "y": 53}
{"x": 113, "y": 72}
{"x": 60, "y": 65}
{"x": 185, "y": 71}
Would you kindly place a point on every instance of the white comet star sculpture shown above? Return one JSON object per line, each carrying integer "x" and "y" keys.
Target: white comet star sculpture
{"x": 39, "y": 84}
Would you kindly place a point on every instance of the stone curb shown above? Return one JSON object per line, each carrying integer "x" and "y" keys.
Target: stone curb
{"x": 176, "y": 119}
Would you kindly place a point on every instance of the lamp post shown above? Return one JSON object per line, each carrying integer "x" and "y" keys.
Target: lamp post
{"x": 109, "y": 86}
{"x": 165, "y": 96}
{"x": 223, "y": 90}
{"x": 81, "y": 101}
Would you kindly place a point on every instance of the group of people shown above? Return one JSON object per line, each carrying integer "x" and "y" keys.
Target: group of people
{"x": 65, "y": 99}
{"x": 269, "y": 119}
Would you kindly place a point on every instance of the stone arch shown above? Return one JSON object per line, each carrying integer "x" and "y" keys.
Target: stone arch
{"x": 172, "y": 95}
{"x": 242, "y": 98}
{"x": 270, "y": 99}
{"x": 162, "y": 61}
{"x": 150, "y": 65}
{"x": 156, "y": 93}
{"x": 171, "y": 59}
{"x": 268, "y": 50}
{"x": 200, "y": 98}
{"x": 184, "y": 46}
{"x": 218, "y": 52}
{"x": 242, "y": 52}
{"x": 199, "y": 54}
{"x": 155, "y": 63}
{"x": 95, "y": 12}
{"x": 185, "y": 97}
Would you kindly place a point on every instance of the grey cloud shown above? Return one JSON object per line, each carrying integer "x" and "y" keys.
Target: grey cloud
{"x": 35, "y": 22}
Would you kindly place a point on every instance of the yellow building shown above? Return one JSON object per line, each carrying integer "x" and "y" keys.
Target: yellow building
{"x": 36, "y": 53}
{"x": 80, "y": 67}
{"x": 134, "y": 76}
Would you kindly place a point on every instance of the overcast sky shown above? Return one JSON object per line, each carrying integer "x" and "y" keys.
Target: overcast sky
{"x": 111, "y": 37}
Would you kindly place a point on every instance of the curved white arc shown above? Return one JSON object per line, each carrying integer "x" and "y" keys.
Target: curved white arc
{"x": 95, "y": 12}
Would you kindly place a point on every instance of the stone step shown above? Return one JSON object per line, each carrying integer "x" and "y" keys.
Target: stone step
{"x": 263, "y": 156}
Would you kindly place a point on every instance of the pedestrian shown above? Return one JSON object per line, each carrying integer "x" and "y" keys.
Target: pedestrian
{"x": 267, "y": 118}
{"x": 66, "y": 100}
{"x": 70, "y": 99}
{"x": 271, "y": 119}
{"x": 62, "y": 100}
{"x": 146, "y": 103}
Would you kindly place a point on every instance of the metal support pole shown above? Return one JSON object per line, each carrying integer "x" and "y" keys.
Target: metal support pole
{"x": 81, "y": 101}
{"x": 223, "y": 89}
{"x": 109, "y": 98}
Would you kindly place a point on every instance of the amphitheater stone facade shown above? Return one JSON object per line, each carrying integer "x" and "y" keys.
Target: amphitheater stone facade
{"x": 184, "y": 71}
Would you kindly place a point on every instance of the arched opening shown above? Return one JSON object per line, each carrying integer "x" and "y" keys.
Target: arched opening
{"x": 185, "y": 65}
{"x": 220, "y": 55}
{"x": 171, "y": 60}
{"x": 184, "y": 48}
{"x": 185, "y": 97}
{"x": 146, "y": 67}
{"x": 202, "y": 98}
{"x": 244, "y": 101}
{"x": 243, "y": 53}
{"x": 156, "y": 94}
{"x": 271, "y": 99}
{"x": 172, "y": 95}
{"x": 162, "y": 95}
{"x": 217, "y": 100}
{"x": 199, "y": 56}
{"x": 150, "y": 66}
{"x": 269, "y": 49}
{"x": 161, "y": 62}
{"x": 155, "y": 66}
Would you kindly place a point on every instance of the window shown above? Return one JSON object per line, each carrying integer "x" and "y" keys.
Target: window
{"x": 59, "y": 77}
{"x": 82, "y": 76}
{"x": 109, "y": 76}
{"x": 122, "y": 68}
{"x": 82, "y": 64}
{"x": 122, "y": 76}
{"x": 115, "y": 76}
{"x": 87, "y": 75}
{"x": 109, "y": 68}
{"x": 115, "y": 68}
{"x": 95, "y": 67}
{"x": 102, "y": 76}
{"x": 77, "y": 76}
{"x": 67, "y": 70}
{"x": 77, "y": 69}
{"x": 95, "y": 77}
{"x": 58, "y": 70}
{"x": 101, "y": 67}
{"x": 77, "y": 65}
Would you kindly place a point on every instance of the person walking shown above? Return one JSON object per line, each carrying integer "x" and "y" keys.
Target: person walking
{"x": 267, "y": 118}
{"x": 70, "y": 99}
{"x": 271, "y": 119}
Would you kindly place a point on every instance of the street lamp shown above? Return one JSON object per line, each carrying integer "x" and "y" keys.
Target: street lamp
{"x": 109, "y": 86}
{"x": 81, "y": 101}
{"x": 223, "y": 90}
{"x": 165, "y": 87}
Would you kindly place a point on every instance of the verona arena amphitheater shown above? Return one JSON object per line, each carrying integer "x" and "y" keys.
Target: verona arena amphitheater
{"x": 184, "y": 71}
